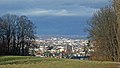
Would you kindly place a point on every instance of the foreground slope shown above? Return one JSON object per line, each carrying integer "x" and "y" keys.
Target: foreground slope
{"x": 36, "y": 62}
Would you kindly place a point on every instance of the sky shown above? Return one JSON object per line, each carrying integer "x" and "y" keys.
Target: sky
{"x": 55, "y": 17}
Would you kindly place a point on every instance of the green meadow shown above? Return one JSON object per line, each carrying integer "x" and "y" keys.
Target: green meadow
{"x": 37, "y": 62}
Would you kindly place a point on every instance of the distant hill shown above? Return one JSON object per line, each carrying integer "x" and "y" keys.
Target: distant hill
{"x": 61, "y": 36}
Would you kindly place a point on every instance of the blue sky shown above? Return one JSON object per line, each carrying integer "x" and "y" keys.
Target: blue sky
{"x": 55, "y": 17}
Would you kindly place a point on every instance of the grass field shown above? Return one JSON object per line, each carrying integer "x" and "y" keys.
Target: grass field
{"x": 36, "y": 62}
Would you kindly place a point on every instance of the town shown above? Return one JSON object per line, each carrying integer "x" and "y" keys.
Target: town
{"x": 61, "y": 47}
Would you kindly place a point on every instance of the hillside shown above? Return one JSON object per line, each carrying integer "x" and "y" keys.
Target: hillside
{"x": 36, "y": 62}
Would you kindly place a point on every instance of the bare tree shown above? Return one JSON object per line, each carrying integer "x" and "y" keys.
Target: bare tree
{"x": 16, "y": 34}
{"x": 104, "y": 31}
{"x": 116, "y": 5}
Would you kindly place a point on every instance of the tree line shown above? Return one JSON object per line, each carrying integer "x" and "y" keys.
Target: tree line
{"x": 104, "y": 29}
{"x": 16, "y": 34}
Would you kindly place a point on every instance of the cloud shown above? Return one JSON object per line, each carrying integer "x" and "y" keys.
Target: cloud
{"x": 80, "y": 11}
{"x": 51, "y": 7}
{"x": 53, "y": 16}
{"x": 43, "y": 12}
{"x": 49, "y": 3}
{"x": 52, "y": 1}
